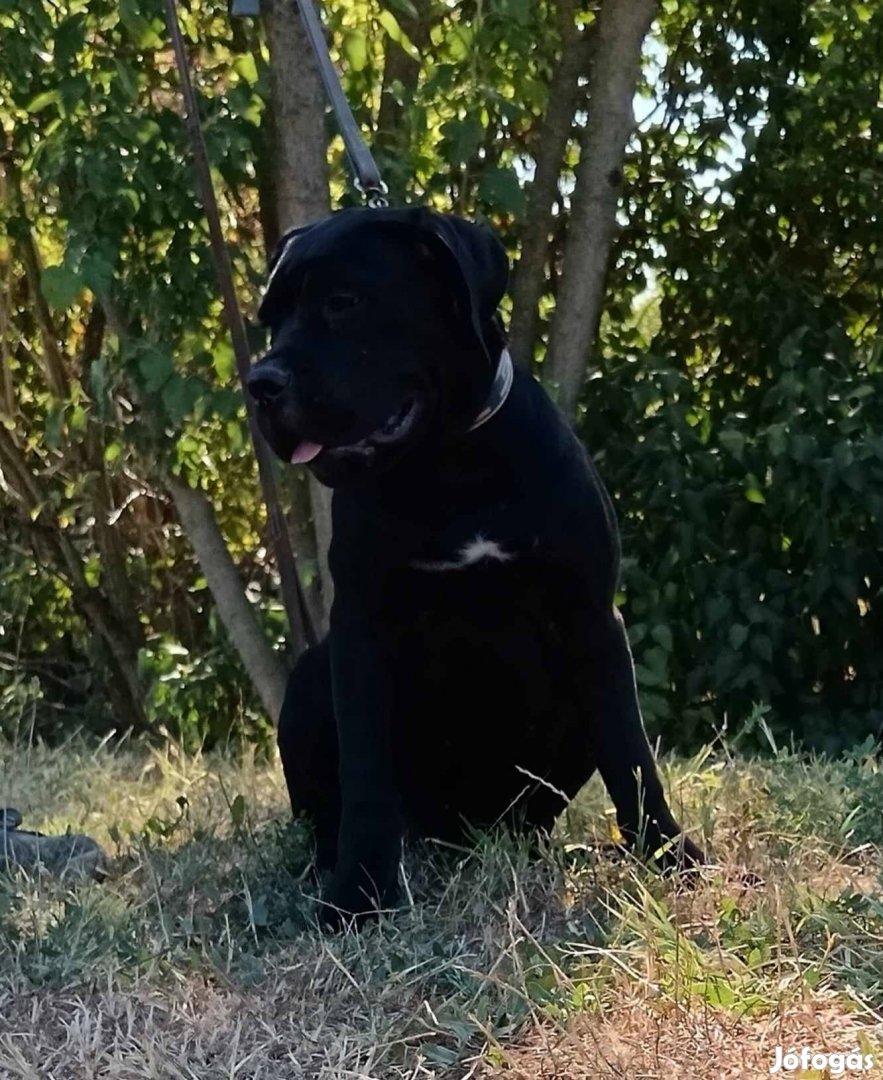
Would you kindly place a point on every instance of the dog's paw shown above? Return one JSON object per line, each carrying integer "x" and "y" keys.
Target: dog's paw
{"x": 347, "y": 903}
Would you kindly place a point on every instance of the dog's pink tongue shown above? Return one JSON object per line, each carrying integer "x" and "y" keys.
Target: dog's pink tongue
{"x": 306, "y": 452}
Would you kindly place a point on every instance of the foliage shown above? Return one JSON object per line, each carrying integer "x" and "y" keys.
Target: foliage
{"x": 742, "y": 431}
{"x": 99, "y": 176}
{"x": 734, "y": 407}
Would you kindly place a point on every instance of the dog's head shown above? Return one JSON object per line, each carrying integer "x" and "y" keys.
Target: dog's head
{"x": 384, "y": 335}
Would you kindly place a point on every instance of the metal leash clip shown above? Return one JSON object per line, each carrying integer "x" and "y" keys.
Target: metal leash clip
{"x": 375, "y": 194}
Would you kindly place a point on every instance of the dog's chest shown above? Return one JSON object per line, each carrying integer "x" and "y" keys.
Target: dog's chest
{"x": 463, "y": 489}
{"x": 480, "y": 549}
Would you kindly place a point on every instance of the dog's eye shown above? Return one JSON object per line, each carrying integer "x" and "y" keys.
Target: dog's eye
{"x": 339, "y": 302}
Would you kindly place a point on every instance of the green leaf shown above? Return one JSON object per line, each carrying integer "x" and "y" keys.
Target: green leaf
{"x": 97, "y": 272}
{"x": 777, "y": 439}
{"x": 226, "y": 404}
{"x": 656, "y": 658}
{"x": 662, "y": 636}
{"x": 717, "y": 608}
{"x": 646, "y": 677}
{"x": 246, "y": 67}
{"x": 519, "y": 10}
{"x": 390, "y": 24}
{"x": 440, "y": 1055}
{"x": 752, "y": 490}
{"x": 99, "y": 384}
{"x": 655, "y": 706}
{"x": 156, "y": 368}
{"x": 179, "y": 395}
{"x": 60, "y": 286}
{"x": 737, "y": 636}
{"x": 69, "y": 39}
{"x": 147, "y": 130}
{"x": 462, "y": 139}
{"x": 500, "y": 187}
{"x": 842, "y": 455}
{"x": 404, "y": 7}
{"x": 718, "y": 992}
{"x": 355, "y": 49}
{"x": 74, "y": 91}
{"x": 78, "y": 418}
{"x": 137, "y": 25}
{"x": 127, "y": 78}
{"x": 224, "y": 361}
{"x": 52, "y": 429}
{"x": 459, "y": 40}
{"x": 733, "y": 442}
{"x": 762, "y": 646}
{"x": 43, "y": 101}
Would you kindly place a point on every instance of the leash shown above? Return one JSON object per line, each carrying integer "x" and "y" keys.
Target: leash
{"x": 303, "y": 633}
{"x": 365, "y": 172}
{"x": 366, "y": 175}
{"x": 367, "y": 180}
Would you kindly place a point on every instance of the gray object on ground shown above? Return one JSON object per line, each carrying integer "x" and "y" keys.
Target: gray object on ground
{"x": 71, "y": 855}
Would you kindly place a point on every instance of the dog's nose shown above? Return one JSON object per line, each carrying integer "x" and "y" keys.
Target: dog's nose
{"x": 266, "y": 382}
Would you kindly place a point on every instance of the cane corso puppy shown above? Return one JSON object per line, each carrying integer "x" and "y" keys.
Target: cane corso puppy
{"x": 476, "y": 670}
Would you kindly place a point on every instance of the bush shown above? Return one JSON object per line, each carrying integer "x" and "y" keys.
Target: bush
{"x": 752, "y": 529}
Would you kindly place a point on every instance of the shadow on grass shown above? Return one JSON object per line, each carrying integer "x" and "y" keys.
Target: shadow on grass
{"x": 500, "y": 932}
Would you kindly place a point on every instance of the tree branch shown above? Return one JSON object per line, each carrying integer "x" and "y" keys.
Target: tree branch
{"x": 23, "y": 238}
{"x": 552, "y": 138}
{"x": 123, "y": 683}
{"x": 622, "y": 25}
{"x": 197, "y": 517}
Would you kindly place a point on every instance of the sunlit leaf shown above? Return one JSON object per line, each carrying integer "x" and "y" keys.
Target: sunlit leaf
{"x": 355, "y": 49}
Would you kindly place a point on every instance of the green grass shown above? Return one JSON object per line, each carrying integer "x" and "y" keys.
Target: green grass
{"x": 198, "y": 957}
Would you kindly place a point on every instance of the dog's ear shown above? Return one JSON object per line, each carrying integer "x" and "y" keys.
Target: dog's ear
{"x": 479, "y": 261}
{"x": 286, "y": 243}
{"x": 282, "y": 258}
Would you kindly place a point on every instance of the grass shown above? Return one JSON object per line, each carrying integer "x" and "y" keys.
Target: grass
{"x": 198, "y": 958}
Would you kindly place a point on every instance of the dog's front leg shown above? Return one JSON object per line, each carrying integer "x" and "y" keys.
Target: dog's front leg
{"x": 369, "y": 843}
{"x": 625, "y": 759}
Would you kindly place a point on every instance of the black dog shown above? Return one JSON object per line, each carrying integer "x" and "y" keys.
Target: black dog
{"x": 476, "y": 668}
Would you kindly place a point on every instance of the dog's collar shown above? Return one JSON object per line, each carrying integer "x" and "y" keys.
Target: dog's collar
{"x": 500, "y": 388}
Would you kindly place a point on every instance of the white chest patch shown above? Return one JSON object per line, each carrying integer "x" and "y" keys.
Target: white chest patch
{"x": 477, "y": 550}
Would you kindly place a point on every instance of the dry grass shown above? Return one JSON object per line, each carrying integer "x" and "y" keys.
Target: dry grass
{"x": 198, "y": 958}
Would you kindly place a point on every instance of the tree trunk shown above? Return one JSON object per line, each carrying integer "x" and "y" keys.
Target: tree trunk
{"x": 109, "y": 540}
{"x": 401, "y": 73}
{"x": 622, "y": 26}
{"x": 263, "y": 666}
{"x": 300, "y": 144}
{"x": 529, "y": 278}
{"x": 306, "y": 547}
{"x": 320, "y": 500}
{"x": 299, "y": 181}
{"x": 7, "y": 389}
